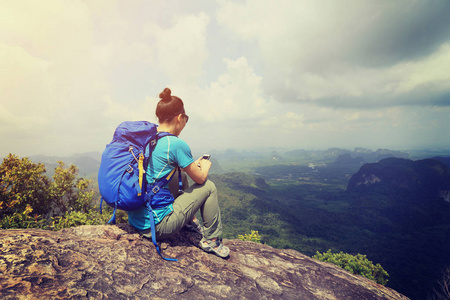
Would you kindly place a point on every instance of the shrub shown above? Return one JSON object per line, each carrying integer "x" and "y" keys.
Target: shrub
{"x": 77, "y": 218}
{"x": 23, "y": 220}
{"x": 67, "y": 191}
{"x": 27, "y": 196}
{"x": 252, "y": 237}
{"x": 356, "y": 264}
{"x": 22, "y": 184}
{"x": 23, "y": 190}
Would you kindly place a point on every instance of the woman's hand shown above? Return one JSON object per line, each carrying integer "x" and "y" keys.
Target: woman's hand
{"x": 198, "y": 170}
{"x": 203, "y": 163}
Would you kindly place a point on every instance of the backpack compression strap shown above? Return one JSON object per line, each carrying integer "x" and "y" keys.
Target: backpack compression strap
{"x": 156, "y": 188}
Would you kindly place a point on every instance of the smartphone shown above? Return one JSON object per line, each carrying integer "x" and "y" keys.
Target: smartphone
{"x": 205, "y": 156}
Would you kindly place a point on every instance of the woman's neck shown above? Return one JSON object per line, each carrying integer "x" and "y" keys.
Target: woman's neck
{"x": 166, "y": 127}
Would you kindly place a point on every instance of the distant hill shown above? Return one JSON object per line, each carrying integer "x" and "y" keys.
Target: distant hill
{"x": 360, "y": 154}
{"x": 87, "y": 163}
{"x": 421, "y": 178}
{"x": 348, "y": 159}
{"x": 444, "y": 160}
{"x": 405, "y": 207}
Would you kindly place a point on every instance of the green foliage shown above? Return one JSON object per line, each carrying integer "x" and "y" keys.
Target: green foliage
{"x": 67, "y": 191}
{"x": 356, "y": 264}
{"x": 77, "y": 218}
{"x": 252, "y": 237}
{"x": 22, "y": 184}
{"x": 23, "y": 220}
{"x": 27, "y": 196}
{"x": 23, "y": 191}
{"x": 249, "y": 203}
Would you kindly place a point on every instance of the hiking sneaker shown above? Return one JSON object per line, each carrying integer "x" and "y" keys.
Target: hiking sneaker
{"x": 194, "y": 226}
{"x": 214, "y": 246}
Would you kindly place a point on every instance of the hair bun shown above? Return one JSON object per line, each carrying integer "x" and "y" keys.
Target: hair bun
{"x": 165, "y": 95}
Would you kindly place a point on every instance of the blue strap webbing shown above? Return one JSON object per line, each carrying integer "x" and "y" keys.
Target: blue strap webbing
{"x": 113, "y": 218}
{"x": 153, "y": 229}
{"x": 180, "y": 183}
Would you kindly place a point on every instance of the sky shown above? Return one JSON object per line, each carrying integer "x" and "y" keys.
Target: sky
{"x": 290, "y": 74}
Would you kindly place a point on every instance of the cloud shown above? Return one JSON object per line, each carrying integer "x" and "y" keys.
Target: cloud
{"x": 24, "y": 83}
{"x": 315, "y": 32}
{"x": 49, "y": 82}
{"x": 251, "y": 73}
{"x": 423, "y": 82}
{"x": 236, "y": 95}
{"x": 347, "y": 53}
{"x": 430, "y": 72}
{"x": 181, "y": 49}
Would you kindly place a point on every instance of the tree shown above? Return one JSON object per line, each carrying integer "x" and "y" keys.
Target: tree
{"x": 28, "y": 198}
{"x": 356, "y": 264}
{"x": 23, "y": 190}
{"x": 67, "y": 191}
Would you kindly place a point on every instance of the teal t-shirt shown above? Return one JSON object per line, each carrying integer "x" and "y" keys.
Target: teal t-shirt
{"x": 170, "y": 152}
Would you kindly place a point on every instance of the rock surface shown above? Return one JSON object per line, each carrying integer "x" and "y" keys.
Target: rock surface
{"x": 114, "y": 262}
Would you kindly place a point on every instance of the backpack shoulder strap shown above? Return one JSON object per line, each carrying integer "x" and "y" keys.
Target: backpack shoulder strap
{"x": 180, "y": 180}
{"x": 162, "y": 134}
{"x": 161, "y": 183}
{"x": 156, "y": 188}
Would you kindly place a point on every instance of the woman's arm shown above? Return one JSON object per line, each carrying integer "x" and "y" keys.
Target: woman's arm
{"x": 198, "y": 173}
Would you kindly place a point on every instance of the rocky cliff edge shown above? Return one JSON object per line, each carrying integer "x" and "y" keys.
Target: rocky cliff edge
{"x": 114, "y": 262}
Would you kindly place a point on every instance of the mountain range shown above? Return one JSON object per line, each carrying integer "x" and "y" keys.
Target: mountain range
{"x": 88, "y": 163}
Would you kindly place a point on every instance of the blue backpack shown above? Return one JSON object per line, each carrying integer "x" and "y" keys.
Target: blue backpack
{"x": 121, "y": 177}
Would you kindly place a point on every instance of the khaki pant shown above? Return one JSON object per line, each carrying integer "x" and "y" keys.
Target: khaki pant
{"x": 201, "y": 197}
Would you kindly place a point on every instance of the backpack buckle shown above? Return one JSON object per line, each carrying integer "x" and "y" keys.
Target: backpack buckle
{"x": 130, "y": 169}
{"x": 155, "y": 189}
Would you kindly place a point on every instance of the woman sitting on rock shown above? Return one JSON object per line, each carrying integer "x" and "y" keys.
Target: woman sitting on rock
{"x": 172, "y": 152}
